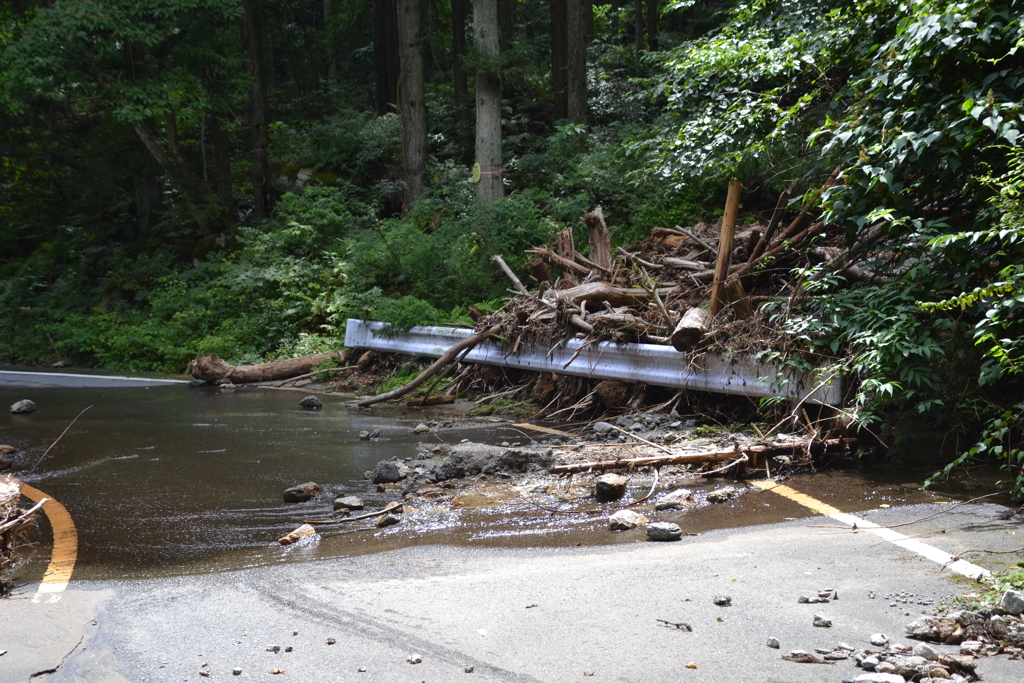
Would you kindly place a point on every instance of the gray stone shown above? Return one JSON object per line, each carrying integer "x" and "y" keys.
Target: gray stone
{"x": 420, "y": 429}
{"x": 878, "y": 639}
{"x": 623, "y": 520}
{"x": 469, "y": 458}
{"x": 387, "y": 519}
{"x": 821, "y": 621}
{"x": 927, "y": 651}
{"x": 25, "y": 406}
{"x": 348, "y": 503}
{"x": 386, "y": 472}
{"x": 869, "y": 662}
{"x": 364, "y": 435}
{"x": 311, "y": 403}
{"x": 1013, "y": 603}
{"x": 664, "y": 531}
{"x": 610, "y": 487}
{"x": 938, "y": 672}
{"x": 415, "y": 659}
{"x": 374, "y": 435}
{"x": 931, "y": 628}
{"x": 886, "y": 668}
{"x": 879, "y": 678}
{"x": 302, "y": 492}
{"x": 626, "y": 422}
{"x": 602, "y": 427}
{"x": 722, "y": 600}
{"x": 237, "y": 671}
{"x": 773, "y": 643}
{"x": 970, "y": 647}
{"x": 722, "y": 495}
{"x": 676, "y": 499}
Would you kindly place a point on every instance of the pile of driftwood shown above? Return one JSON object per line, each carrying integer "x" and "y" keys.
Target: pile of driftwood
{"x": 14, "y": 525}
{"x": 684, "y": 287}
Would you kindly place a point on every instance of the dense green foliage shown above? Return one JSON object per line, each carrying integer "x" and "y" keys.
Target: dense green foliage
{"x": 126, "y": 237}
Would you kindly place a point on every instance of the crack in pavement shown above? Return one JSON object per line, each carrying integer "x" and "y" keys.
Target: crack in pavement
{"x": 47, "y": 672}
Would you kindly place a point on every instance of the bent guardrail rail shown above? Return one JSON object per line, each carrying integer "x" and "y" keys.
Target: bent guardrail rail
{"x": 649, "y": 363}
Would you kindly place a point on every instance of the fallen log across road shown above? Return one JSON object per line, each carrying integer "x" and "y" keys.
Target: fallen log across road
{"x": 752, "y": 452}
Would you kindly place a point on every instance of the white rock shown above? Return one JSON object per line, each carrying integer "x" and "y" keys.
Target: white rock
{"x": 773, "y": 642}
{"x": 879, "y": 678}
{"x": 623, "y": 520}
{"x": 415, "y": 659}
{"x": 1013, "y": 602}
{"x": 676, "y": 499}
{"x": 927, "y": 651}
{"x": 970, "y": 647}
{"x": 722, "y": 495}
{"x": 878, "y": 639}
{"x": 869, "y": 663}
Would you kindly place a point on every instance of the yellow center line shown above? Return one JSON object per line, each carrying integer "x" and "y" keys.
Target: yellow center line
{"x": 896, "y": 538}
{"x": 65, "y": 545}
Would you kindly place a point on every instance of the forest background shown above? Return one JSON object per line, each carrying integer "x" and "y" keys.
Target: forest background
{"x": 241, "y": 176}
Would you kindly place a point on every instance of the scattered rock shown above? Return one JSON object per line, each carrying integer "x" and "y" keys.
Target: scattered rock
{"x": 870, "y": 662}
{"x": 624, "y": 520}
{"x": 237, "y": 671}
{"x": 722, "y": 495}
{"x": 348, "y": 503}
{"x": 602, "y": 427}
{"x": 664, "y": 531}
{"x": 937, "y": 672}
{"x": 304, "y": 531}
{"x": 878, "y": 639}
{"x": 1013, "y": 602}
{"x": 879, "y": 678}
{"x": 302, "y": 492}
{"x": 773, "y": 643}
{"x": 361, "y": 669}
{"x": 470, "y": 669}
{"x": 311, "y": 403}
{"x": 821, "y": 621}
{"x": 386, "y": 472}
{"x": 610, "y": 487}
{"x": 470, "y": 458}
{"x": 25, "y": 406}
{"x": 364, "y": 435}
{"x": 274, "y": 648}
{"x": 374, "y": 435}
{"x": 415, "y": 659}
{"x": 927, "y": 651}
{"x": 331, "y": 641}
{"x": 388, "y": 519}
{"x": 420, "y": 429}
{"x": 723, "y": 600}
{"x": 970, "y": 647}
{"x": 674, "y": 500}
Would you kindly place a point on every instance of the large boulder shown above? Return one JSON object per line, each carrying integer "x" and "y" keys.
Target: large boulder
{"x": 311, "y": 403}
{"x": 610, "y": 487}
{"x": 302, "y": 492}
{"x": 466, "y": 459}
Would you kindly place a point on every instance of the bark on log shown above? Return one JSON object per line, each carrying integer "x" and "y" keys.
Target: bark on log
{"x": 564, "y": 244}
{"x": 738, "y": 299}
{"x": 560, "y": 262}
{"x": 622, "y": 322}
{"x": 596, "y": 292}
{"x": 431, "y": 401}
{"x": 440, "y": 363}
{"x": 732, "y": 205}
{"x": 695, "y": 323}
{"x": 600, "y": 238}
{"x": 212, "y": 369}
{"x": 757, "y": 451}
{"x": 674, "y": 262}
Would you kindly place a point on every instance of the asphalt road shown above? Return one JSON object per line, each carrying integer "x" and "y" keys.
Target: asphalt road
{"x": 586, "y": 613}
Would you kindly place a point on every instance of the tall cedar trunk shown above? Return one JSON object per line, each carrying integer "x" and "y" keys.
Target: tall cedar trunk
{"x": 385, "y": 56}
{"x": 411, "y": 107}
{"x": 638, "y": 24}
{"x": 252, "y": 39}
{"x": 576, "y": 71}
{"x": 222, "y": 169}
{"x": 488, "y": 101}
{"x": 460, "y": 15}
{"x": 652, "y": 25}
{"x": 559, "y": 59}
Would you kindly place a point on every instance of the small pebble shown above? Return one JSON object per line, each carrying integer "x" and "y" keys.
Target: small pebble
{"x": 361, "y": 669}
{"x": 331, "y": 641}
{"x": 723, "y": 600}
{"x": 288, "y": 649}
{"x": 821, "y": 621}
{"x": 415, "y": 659}
{"x": 237, "y": 671}
{"x": 295, "y": 633}
{"x": 773, "y": 642}
{"x": 274, "y": 648}
{"x": 470, "y": 669}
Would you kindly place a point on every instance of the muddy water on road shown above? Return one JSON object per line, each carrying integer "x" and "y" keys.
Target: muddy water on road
{"x": 171, "y": 480}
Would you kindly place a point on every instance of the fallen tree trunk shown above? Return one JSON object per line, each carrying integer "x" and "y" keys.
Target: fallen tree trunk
{"x": 213, "y": 369}
{"x": 753, "y": 452}
{"x": 695, "y": 323}
{"x": 448, "y": 357}
{"x": 596, "y": 292}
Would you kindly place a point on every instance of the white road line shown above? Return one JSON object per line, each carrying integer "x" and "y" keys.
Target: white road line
{"x": 930, "y": 552}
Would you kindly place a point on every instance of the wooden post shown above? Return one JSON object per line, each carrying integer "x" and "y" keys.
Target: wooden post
{"x": 600, "y": 239}
{"x": 732, "y": 204}
{"x": 692, "y": 327}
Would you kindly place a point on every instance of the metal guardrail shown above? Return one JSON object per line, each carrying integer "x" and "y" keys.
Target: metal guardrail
{"x": 649, "y": 363}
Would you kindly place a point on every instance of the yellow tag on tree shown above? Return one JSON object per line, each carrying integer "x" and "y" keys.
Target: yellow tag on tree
{"x": 477, "y": 174}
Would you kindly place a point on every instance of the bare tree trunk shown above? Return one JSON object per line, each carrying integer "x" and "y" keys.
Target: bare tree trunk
{"x": 385, "y": 56}
{"x": 460, "y": 15}
{"x": 488, "y": 101}
{"x": 252, "y": 38}
{"x": 559, "y": 59}
{"x": 652, "y": 24}
{"x": 576, "y": 71}
{"x": 638, "y": 24}
{"x": 411, "y": 107}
